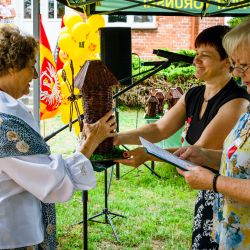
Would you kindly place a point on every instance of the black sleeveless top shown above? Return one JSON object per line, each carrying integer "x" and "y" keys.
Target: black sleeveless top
{"x": 194, "y": 99}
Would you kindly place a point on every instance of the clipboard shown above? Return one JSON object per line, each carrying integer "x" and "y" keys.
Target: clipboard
{"x": 164, "y": 155}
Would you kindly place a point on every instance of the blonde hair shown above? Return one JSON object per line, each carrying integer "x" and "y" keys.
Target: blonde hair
{"x": 238, "y": 36}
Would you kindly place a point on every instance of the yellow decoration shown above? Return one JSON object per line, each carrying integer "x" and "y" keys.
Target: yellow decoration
{"x": 80, "y": 32}
{"x": 79, "y": 56}
{"x": 79, "y": 42}
{"x": 64, "y": 109}
{"x": 63, "y": 56}
{"x": 64, "y": 30}
{"x": 72, "y": 19}
{"x": 66, "y": 43}
{"x": 96, "y": 22}
{"x": 93, "y": 43}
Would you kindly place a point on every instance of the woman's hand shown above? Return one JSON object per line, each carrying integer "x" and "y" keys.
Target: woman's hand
{"x": 198, "y": 177}
{"x": 102, "y": 129}
{"x": 134, "y": 157}
{"x": 97, "y": 132}
{"x": 194, "y": 154}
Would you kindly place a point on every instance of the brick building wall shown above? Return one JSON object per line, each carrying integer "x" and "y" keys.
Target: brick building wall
{"x": 172, "y": 32}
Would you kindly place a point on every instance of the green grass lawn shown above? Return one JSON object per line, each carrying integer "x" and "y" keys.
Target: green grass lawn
{"x": 159, "y": 211}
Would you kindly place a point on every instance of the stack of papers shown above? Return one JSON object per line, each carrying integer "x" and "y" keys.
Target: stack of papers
{"x": 164, "y": 155}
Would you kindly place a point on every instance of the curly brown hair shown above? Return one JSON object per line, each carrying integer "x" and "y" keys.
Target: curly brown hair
{"x": 16, "y": 49}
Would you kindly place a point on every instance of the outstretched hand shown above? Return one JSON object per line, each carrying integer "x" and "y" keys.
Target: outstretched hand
{"x": 134, "y": 157}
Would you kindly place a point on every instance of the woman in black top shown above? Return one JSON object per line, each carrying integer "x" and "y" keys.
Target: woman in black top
{"x": 203, "y": 214}
{"x": 209, "y": 112}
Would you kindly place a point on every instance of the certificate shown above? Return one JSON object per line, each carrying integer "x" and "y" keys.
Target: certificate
{"x": 164, "y": 155}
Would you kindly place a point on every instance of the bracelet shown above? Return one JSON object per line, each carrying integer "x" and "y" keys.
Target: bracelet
{"x": 214, "y": 182}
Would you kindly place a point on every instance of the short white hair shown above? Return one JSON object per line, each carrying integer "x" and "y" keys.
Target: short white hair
{"x": 236, "y": 37}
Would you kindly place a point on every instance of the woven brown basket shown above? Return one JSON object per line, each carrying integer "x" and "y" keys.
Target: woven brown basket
{"x": 96, "y": 82}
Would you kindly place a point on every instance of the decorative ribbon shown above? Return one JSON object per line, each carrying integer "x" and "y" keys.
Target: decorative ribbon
{"x": 242, "y": 134}
{"x": 184, "y": 132}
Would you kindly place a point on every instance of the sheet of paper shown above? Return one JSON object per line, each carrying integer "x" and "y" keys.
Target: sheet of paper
{"x": 165, "y": 155}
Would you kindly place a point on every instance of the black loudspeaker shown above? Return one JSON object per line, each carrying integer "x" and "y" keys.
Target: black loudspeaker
{"x": 116, "y": 52}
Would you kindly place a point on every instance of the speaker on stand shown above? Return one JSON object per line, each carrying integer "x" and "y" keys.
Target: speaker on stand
{"x": 116, "y": 52}
{"x": 117, "y": 56}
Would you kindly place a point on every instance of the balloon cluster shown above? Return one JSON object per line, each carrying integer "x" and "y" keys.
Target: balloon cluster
{"x": 78, "y": 41}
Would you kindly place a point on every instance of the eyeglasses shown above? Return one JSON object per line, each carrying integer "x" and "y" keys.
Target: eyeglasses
{"x": 240, "y": 69}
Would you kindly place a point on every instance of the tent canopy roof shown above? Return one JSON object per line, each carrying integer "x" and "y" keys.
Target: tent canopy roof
{"x": 162, "y": 7}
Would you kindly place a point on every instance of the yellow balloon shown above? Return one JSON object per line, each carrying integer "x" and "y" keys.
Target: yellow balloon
{"x": 80, "y": 31}
{"x": 65, "y": 91}
{"x": 64, "y": 30}
{"x": 93, "y": 43}
{"x": 72, "y": 20}
{"x": 93, "y": 56}
{"x": 77, "y": 68}
{"x": 63, "y": 56}
{"x": 96, "y": 21}
{"x": 65, "y": 18}
{"x": 79, "y": 56}
{"x": 66, "y": 43}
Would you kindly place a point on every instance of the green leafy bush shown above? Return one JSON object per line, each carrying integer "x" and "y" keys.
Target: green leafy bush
{"x": 177, "y": 74}
{"x": 236, "y": 20}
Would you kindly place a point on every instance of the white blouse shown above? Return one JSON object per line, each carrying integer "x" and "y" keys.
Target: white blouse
{"x": 26, "y": 180}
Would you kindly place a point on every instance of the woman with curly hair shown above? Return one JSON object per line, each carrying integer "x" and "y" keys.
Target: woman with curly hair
{"x": 31, "y": 178}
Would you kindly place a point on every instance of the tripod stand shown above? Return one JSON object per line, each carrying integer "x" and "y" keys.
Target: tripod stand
{"x": 108, "y": 215}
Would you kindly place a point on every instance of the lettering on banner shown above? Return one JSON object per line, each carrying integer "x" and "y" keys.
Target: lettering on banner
{"x": 177, "y": 4}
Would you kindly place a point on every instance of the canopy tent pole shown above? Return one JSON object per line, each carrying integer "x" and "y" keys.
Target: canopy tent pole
{"x": 36, "y": 82}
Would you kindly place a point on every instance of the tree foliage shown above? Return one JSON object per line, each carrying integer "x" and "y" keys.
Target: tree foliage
{"x": 236, "y": 20}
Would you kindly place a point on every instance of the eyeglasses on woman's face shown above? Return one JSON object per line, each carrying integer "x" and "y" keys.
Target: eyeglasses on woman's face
{"x": 240, "y": 69}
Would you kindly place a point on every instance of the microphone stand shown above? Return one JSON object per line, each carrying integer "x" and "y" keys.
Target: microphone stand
{"x": 151, "y": 71}
{"x": 154, "y": 70}
{"x": 53, "y": 134}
